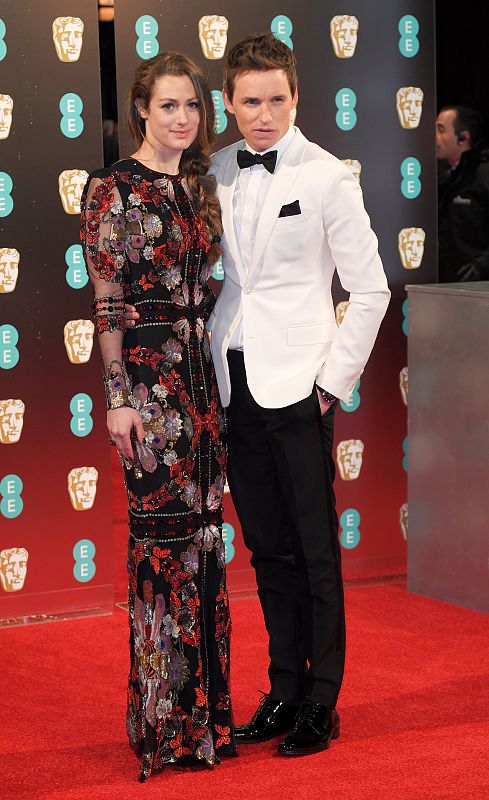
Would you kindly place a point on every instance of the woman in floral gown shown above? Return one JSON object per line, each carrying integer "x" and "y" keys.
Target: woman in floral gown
{"x": 151, "y": 227}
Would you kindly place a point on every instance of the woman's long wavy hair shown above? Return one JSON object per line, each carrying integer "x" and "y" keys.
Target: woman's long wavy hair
{"x": 195, "y": 159}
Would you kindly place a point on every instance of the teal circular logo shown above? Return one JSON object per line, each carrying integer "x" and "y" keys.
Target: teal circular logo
{"x": 71, "y": 107}
{"x": 11, "y": 504}
{"x": 408, "y": 41}
{"x": 405, "y": 460}
{"x": 147, "y": 44}
{"x": 349, "y": 524}
{"x": 353, "y": 401}
{"x": 346, "y": 117}
{"x": 221, "y": 120}
{"x": 9, "y": 354}
{"x": 405, "y": 317}
{"x": 410, "y": 171}
{"x": 228, "y": 537}
{"x": 81, "y": 423}
{"x": 281, "y": 27}
{"x": 84, "y": 566}
{"x": 217, "y": 270}
{"x": 76, "y": 274}
{"x": 6, "y": 200}
{"x": 3, "y": 46}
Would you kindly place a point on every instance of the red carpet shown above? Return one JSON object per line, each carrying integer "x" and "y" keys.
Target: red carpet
{"x": 414, "y": 710}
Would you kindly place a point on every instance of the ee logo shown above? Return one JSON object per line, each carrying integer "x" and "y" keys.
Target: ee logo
{"x": 353, "y": 401}
{"x": 405, "y": 317}
{"x": 147, "y": 44}
{"x": 281, "y": 27}
{"x": 81, "y": 421}
{"x": 76, "y": 274}
{"x": 84, "y": 567}
{"x": 350, "y": 535}
{"x": 218, "y": 271}
{"x": 11, "y": 504}
{"x": 346, "y": 117}
{"x": 3, "y": 46}
{"x": 71, "y": 107}
{"x": 220, "y": 111}
{"x": 6, "y": 201}
{"x": 227, "y": 537}
{"x": 409, "y": 42}
{"x": 405, "y": 460}
{"x": 410, "y": 171}
{"x": 9, "y": 354}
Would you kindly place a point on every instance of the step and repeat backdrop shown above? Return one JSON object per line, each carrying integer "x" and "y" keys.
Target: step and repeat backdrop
{"x": 366, "y": 94}
{"x": 55, "y": 516}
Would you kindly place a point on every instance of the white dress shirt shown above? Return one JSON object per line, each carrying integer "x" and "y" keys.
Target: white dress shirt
{"x": 249, "y": 195}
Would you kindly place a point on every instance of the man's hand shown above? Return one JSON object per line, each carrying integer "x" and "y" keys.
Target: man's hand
{"x": 130, "y": 316}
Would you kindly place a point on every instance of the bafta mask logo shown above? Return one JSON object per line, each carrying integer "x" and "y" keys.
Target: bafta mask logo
{"x": 11, "y": 420}
{"x": 411, "y": 247}
{"x": 340, "y": 311}
{"x": 78, "y": 337}
{"x": 70, "y": 186}
{"x": 344, "y": 33}
{"x": 13, "y": 568}
{"x": 68, "y": 38}
{"x": 354, "y": 166}
{"x": 403, "y": 519}
{"x": 403, "y": 384}
{"x": 82, "y": 487}
{"x": 349, "y": 455}
{"x": 409, "y": 102}
{"x": 213, "y": 35}
{"x": 9, "y": 269}
{"x": 6, "y": 108}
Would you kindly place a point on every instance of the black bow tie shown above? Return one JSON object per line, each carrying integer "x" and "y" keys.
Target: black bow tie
{"x": 247, "y": 159}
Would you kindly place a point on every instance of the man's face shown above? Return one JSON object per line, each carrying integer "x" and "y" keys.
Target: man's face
{"x": 68, "y": 38}
{"x": 344, "y": 33}
{"x": 9, "y": 269}
{"x": 213, "y": 35}
{"x": 13, "y": 568}
{"x": 82, "y": 486}
{"x": 6, "y": 106}
{"x": 447, "y": 145}
{"x": 410, "y": 106}
{"x": 11, "y": 420}
{"x": 262, "y": 103}
{"x": 411, "y": 247}
{"x": 79, "y": 340}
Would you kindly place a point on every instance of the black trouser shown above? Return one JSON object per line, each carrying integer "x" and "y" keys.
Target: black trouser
{"x": 281, "y": 473}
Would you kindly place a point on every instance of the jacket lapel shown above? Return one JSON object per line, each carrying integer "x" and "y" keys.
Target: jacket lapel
{"x": 281, "y": 184}
{"x": 226, "y": 193}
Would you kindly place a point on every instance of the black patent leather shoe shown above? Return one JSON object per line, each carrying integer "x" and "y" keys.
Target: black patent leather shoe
{"x": 272, "y": 718}
{"x": 315, "y": 726}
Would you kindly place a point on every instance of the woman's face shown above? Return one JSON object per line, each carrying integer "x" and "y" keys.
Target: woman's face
{"x": 173, "y": 115}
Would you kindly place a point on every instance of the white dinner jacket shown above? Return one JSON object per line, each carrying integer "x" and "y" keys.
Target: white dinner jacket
{"x": 290, "y": 337}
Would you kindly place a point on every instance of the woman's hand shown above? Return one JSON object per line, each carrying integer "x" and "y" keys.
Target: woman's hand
{"x": 130, "y": 316}
{"x": 121, "y": 422}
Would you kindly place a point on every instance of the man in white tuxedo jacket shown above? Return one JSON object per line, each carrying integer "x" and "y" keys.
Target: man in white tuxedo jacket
{"x": 292, "y": 215}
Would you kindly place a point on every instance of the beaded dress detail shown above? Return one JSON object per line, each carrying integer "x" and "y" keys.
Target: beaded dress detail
{"x": 141, "y": 234}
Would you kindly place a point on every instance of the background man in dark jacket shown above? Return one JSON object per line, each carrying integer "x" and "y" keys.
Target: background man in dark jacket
{"x": 463, "y": 219}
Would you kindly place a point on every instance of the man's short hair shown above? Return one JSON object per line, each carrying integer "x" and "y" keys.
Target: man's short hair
{"x": 259, "y": 52}
{"x": 467, "y": 119}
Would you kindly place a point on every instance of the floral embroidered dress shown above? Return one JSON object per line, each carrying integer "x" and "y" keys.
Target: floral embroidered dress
{"x": 140, "y": 232}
